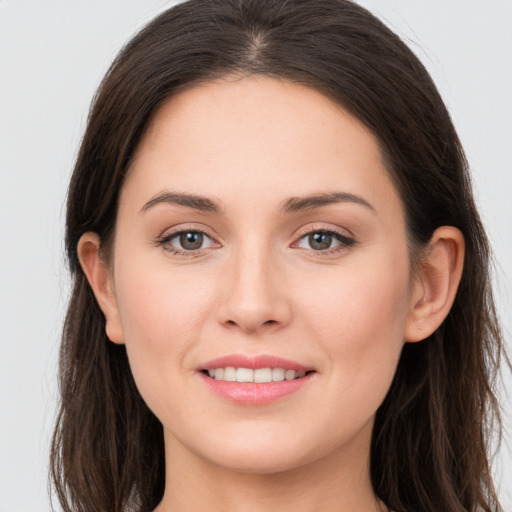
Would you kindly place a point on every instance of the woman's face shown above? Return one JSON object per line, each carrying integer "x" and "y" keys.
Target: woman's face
{"x": 258, "y": 229}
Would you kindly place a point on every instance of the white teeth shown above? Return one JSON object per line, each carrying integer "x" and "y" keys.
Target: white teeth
{"x": 277, "y": 374}
{"x": 244, "y": 375}
{"x": 230, "y": 374}
{"x": 260, "y": 375}
{"x": 263, "y": 375}
{"x": 289, "y": 374}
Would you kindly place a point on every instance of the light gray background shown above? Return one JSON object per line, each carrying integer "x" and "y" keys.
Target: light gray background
{"x": 52, "y": 56}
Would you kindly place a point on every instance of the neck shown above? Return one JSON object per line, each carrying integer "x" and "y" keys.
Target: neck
{"x": 339, "y": 481}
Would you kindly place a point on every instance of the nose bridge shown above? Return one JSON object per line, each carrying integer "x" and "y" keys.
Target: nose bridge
{"x": 253, "y": 297}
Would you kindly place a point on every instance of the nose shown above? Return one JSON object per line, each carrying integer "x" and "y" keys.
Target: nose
{"x": 254, "y": 293}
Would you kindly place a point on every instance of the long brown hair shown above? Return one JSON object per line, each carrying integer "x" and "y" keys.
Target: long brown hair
{"x": 431, "y": 434}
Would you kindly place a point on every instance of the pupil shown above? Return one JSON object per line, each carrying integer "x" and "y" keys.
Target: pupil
{"x": 319, "y": 241}
{"x": 191, "y": 241}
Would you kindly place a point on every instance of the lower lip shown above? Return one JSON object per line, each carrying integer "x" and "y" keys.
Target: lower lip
{"x": 249, "y": 393}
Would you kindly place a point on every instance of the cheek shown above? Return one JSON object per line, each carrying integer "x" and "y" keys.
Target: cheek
{"x": 162, "y": 315}
{"x": 150, "y": 308}
{"x": 359, "y": 319}
{"x": 358, "y": 299}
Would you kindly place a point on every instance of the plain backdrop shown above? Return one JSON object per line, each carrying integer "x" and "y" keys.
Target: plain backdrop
{"x": 53, "y": 55}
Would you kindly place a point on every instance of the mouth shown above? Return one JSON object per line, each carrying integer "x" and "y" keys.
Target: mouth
{"x": 255, "y": 380}
{"x": 258, "y": 375}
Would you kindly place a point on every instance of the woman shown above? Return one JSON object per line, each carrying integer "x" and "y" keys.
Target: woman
{"x": 281, "y": 294}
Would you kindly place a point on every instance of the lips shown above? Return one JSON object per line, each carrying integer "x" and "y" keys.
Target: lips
{"x": 254, "y": 363}
{"x": 254, "y": 380}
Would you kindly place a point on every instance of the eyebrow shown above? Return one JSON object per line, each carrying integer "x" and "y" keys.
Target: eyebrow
{"x": 190, "y": 200}
{"x": 293, "y": 204}
{"x": 312, "y": 202}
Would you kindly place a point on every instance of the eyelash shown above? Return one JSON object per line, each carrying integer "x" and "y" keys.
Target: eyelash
{"x": 345, "y": 242}
{"x": 166, "y": 239}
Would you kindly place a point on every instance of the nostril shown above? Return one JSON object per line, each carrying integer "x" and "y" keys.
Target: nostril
{"x": 267, "y": 322}
{"x": 252, "y": 319}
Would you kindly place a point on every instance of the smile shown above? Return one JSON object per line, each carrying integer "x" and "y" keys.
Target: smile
{"x": 251, "y": 380}
{"x": 260, "y": 375}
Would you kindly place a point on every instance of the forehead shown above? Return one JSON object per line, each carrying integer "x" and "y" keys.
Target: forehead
{"x": 257, "y": 138}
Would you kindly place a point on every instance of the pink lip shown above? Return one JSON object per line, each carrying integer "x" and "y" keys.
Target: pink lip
{"x": 247, "y": 393}
{"x": 254, "y": 362}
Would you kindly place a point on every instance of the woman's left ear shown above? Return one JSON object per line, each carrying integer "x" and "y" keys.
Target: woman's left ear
{"x": 435, "y": 285}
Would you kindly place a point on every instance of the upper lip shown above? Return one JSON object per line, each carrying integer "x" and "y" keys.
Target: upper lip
{"x": 254, "y": 362}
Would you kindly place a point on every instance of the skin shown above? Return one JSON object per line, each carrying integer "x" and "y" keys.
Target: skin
{"x": 257, "y": 286}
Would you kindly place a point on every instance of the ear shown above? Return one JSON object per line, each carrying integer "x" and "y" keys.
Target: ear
{"x": 99, "y": 276}
{"x": 435, "y": 283}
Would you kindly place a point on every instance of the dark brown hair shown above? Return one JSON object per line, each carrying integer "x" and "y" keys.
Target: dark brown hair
{"x": 431, "y": 434}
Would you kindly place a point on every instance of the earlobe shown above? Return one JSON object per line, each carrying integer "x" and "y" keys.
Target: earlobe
{"x": 100, "y": 279}
{"x": 435, "y": 283}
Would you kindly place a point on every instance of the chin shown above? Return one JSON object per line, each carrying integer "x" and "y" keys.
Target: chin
{"x": 259, "y": 463}
{"x": 267, "y": 452}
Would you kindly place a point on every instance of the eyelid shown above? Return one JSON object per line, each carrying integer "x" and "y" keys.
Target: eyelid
{"x": 326, "y": 228}
{"x": 187, "y": 228}
{"x": 169, "y": 233}
{"x": 345, "y": 237}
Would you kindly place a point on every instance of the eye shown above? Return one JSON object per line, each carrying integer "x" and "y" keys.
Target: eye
{"x": 190, "y": 241}
{"x": 324, "y": 241}
{"x": 186, "y": 241}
